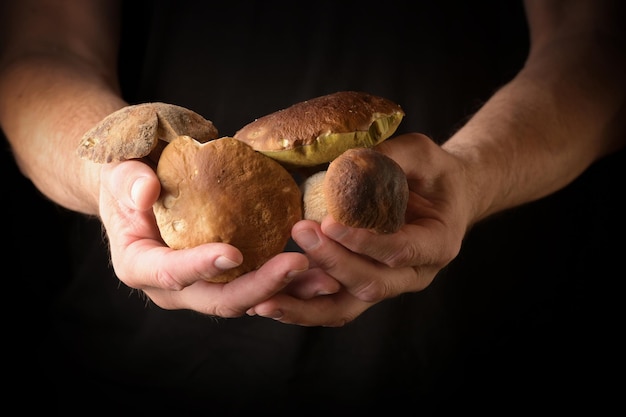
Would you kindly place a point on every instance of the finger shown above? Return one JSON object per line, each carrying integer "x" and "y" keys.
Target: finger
{"x": 365, "y": 278}
{"x": 148, "y": 264}
{"x": 311, "y": 283}
{"x": 334, "y": 310}
{"x": 414, "y": 244}
{"x": 138, "y": 254}
{"x": 129, "y": 189}
{"x": 233, "y": 299}
{"x": 133, "y": 183}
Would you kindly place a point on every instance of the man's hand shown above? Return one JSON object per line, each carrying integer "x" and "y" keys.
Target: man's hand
{"x": 176, "y": 279}
{"x": 373, "y": 267}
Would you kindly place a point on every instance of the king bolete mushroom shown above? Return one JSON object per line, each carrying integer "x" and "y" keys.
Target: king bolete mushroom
{"x": 225, "y": 191}
{"x": 361, "y": 188}
{"x": 316, "y": 131}
{"x": 141, "y": 131}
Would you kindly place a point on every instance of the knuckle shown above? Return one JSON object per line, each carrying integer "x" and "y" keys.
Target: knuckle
{"x": 373, "y": 292}
{"x": 403, "y": 257}
{"x": 225, "y": 311}
{"x": 167, "y": 281}
{"x": 328, "y": 262}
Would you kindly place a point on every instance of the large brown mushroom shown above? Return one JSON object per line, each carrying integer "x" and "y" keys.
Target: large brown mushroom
{"x": 224, "y": 191}
{"x": 316, "y": 131}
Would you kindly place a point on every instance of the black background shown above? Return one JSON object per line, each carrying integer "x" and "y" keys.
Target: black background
{"x": 528, "y": 317}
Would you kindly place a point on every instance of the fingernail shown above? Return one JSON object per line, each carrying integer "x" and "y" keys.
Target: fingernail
{"x": 307, "y": 239}
{"x": 135, "y": 189}
{"x": 224, "y": 263}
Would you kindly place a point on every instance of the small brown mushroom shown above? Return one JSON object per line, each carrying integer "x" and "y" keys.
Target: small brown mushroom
{"x": 361, "y": 188}
{"x": 141, "y": 130}
{"x": 225, "y": 191}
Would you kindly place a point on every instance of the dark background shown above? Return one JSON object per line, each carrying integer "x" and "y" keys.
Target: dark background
{"x": 528, "y": 317}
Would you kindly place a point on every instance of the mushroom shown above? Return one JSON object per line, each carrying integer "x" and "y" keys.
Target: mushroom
{"x": 142, "y": 130}
{"x": 361, "y": 187}
{"x": 224, "y": 191}
{"x": 316, "y": 131}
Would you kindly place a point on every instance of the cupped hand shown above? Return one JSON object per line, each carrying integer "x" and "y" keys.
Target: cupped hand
{"x": 177, "y": 279}
{"x": 371, "y": 267}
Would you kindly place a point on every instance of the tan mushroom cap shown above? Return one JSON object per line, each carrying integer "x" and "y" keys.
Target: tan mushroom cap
{"x": 135, "y": 131}
{"x": 316, "y": 131}
{"x": 224, "y": 191}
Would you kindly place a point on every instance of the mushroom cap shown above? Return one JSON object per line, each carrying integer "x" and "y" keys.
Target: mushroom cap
{"x": 366, "y": 189}
{"x": 135, "y": 131}
{"x": 224, "y": 191}
{"x": 316, "y": 131}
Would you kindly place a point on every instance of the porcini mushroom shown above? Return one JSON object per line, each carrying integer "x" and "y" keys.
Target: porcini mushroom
{"x": 225, "y": 191}
{"x": 316, "y": 131}
{"x": 142, "y": 130}
{"x": 361, "y": 188}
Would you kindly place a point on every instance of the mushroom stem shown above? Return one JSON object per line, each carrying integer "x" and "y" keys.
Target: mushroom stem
{"x": 314, "y": 202}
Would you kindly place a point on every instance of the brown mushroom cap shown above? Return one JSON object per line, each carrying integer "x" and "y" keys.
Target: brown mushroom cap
{"x": 316, "y": 131}
{"x": 362, "y": 188}
{"x": 135, "y": 131}
{"x": 224, "y": 191}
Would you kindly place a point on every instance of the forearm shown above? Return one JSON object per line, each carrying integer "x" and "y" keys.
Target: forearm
{"x": 564, "y": 110}
{"x": 44, "y": 113}
{"x": 57, "y": 79}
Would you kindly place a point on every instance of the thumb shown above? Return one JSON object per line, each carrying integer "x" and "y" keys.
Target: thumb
{"x": 132, "y": 183}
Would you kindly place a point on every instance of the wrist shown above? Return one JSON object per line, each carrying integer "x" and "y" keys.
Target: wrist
{"x": 476, "y": 182}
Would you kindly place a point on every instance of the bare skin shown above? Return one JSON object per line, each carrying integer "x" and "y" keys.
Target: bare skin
{"x": 562, "y": 112}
